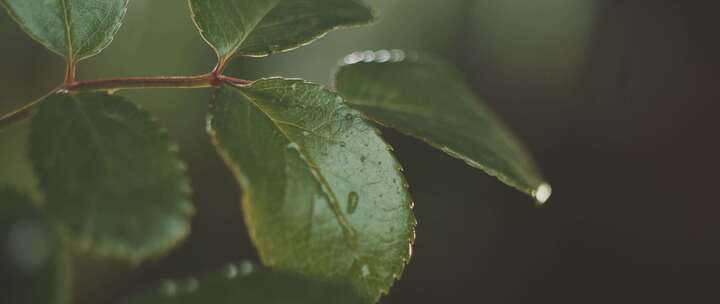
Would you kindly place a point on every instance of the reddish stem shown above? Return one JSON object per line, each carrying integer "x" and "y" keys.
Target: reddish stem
{"x": 201, "y": 81}
{"x": 213, "y": 79}
{"x": 70, "y": 72}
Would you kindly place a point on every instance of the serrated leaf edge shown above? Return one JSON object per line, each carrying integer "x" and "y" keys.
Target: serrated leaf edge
{"x": 233, "y": 53}
{"x": 421, "y": 57}
{"x": 246, "y": 196}
{"x": 90, "y": 245}
{"x": 70, "y": 56}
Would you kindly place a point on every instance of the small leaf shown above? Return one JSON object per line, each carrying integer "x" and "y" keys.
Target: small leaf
{"x": 246, "y": 283}
{"x": 428, "y": 99}
{"x": 263, "y": 27}
{"x": 35, "y": 266}
{"x": 323, "y": 195}
{"x": 110, "y": 174}
{"x": 74, "y": 29}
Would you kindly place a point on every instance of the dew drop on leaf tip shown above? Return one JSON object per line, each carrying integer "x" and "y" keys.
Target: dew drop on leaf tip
{"x": 542, "y": 193}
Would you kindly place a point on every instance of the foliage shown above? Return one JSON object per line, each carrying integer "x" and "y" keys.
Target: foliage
{"x": 324, "y": 198}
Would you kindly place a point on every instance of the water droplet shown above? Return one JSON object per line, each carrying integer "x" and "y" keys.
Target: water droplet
{"x": 231, "y": 271}
{"x": 412, "y": 56}
{"x": 338, "y": 99}
{"x": 246, "y": 268}
{"x": 293, "y": 86}
{"x": 368, "y": 56}
{"x": 274, "y": 48}
{"x": 365, "y": 271}
{"x": 305, "y": 133}
{"x": 168, "y": 288}
{"x": 397, "y": 55}
{"x": 353, "y": 58}
{"x": 542, "y": 193}
{"x": 190, "y": 285}
{"x": 27, "y": 246}
{"x": 293, "y": 146}
{"x": 353, "y": 200}
{"x": 382, "y": 56}
{"x": 63, "y": 91}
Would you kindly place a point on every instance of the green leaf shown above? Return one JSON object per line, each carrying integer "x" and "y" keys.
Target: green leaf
{"x": 110, "y": 174}
{"x": 35, "y": 268}
{"x": 263, "y": 27}
{"x": 323, "y": 195}
{"x": 246, "y": 283}
{"x": 426, "y": 98}
{"x": 74, "y": 29}
{"x": 17, "y": 170}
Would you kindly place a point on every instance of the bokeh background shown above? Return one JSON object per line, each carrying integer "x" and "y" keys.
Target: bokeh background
{"x": 616, "y": 99}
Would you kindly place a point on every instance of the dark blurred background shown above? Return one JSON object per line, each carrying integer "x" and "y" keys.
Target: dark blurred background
{"x": 617, "y": 100}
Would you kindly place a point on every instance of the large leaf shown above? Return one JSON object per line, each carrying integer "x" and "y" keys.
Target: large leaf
{"x": 263, "y": 27}
{"x": 246, "y": 283}
{"x": 110, "y": 174}
{"x": 75, "y": 29}
{"x": 33, "y": 265}
{"x": 426, "y": 98}
{"x": 323, "y": 194}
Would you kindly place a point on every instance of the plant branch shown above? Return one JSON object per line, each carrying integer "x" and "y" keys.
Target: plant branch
{"x": 114, "y": 84}
{"x": 213, "y": 79}
{"x": 187, "y": 82}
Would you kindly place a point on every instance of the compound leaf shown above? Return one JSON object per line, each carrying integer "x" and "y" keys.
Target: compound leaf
{"x": 34, "y": 263}
{"x": 74, "y": 29}
{"x": 263, "y": 27}
{"x": 246, "y": 283}
{"x": 110, "y": 174}
{"x": 426, "y": 98}
{"x": 324, "y": 197}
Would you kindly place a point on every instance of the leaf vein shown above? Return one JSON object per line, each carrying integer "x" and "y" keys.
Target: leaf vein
{"x": 332, "y": 199}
